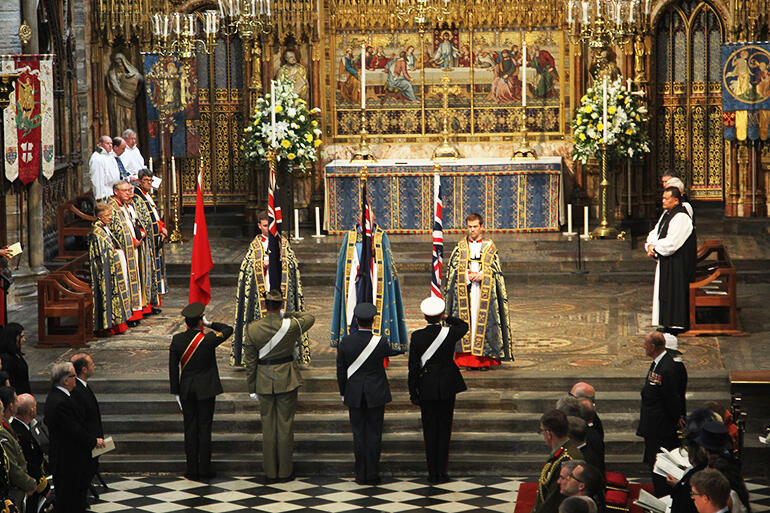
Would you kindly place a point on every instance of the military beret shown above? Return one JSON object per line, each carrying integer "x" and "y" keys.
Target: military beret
{"x": 274, "y": 295}
{"x": 365, "y": 311}
{"x": 432, "y": 306}
{"x": 193, "y": 310}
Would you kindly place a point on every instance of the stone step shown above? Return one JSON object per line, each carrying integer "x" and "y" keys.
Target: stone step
{"x": 470, "y": 442}
{"x": 321, "y": 377}
{"x": 319, "y": 423}
{"x": 329, "y": 402}
{"x": 391, "y": 464}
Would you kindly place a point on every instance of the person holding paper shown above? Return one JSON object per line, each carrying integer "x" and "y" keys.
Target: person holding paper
{"x": 273, "y": 377}
{"x": 84, "y": 396}
{"x": 475, "y": 292}
{"x": 69, "y": 452}
{"x": 194, "y": 378}
{"x": 660, "y": 415}
{"x": 365, "y": 390}
{"x": 132, "y": 157}
{"x": 434, "y": 380}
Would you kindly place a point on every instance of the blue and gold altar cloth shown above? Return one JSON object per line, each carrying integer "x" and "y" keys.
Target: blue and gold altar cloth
{"x": 512, "y": 196}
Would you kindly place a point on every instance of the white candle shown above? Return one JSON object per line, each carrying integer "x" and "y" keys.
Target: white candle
{"x": 318, "y": 14}
{"x": 268, "y": 7}
{"x": 585, "y": 5}
{"x": 598, "y": 8}
{"x": 296, "y": 224}
{"x": 317, "y": 222}
{"x": 585, "y": 221}
{"x": 569, "y": 218}
{"x": 628, "y": 84}
{"x": 604, "y": 109}
{"x": 363, "y": 76}
{"x": 272, "y": 112}
{"x": 569, "y": 12}
{"x": 646, "y": 7}
{"x": 150, "y": 164}
{"x": 524, "y": 70}
{"x": 173, "y": 175}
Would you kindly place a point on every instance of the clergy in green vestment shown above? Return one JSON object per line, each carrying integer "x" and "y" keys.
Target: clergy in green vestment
{"x": 475, "y": 292}
{"x": 112, "y": 307}
{"x": 254, "y": 283}
{"x": 386, "y": 290}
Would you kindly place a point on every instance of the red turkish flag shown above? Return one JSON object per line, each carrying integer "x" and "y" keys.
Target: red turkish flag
{"x": 200, "y": 289}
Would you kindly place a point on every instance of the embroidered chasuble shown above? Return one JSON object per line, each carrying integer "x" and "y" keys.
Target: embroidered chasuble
{"x": 389, "y": 321}
{"x": 108, "y": 279}
{"x": 253, "y": 284}
{"x": 483, "y": 305}
{"x": 122, "y": 228}
{"x": 150, "y": 219}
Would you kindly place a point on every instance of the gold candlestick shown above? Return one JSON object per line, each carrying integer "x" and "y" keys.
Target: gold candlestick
{"x": 524, "y": 151}
{"x": 363, "y": 153}
{"x": 176, "y": 235}
{"x": 604, "y": 230}
{"x": 446, "y": 150}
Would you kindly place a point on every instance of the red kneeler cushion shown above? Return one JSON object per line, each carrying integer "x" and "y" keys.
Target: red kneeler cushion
{"x": 616, "y": 481}
{"x": 616, "y": 500}
{"x": 525, "y": 499}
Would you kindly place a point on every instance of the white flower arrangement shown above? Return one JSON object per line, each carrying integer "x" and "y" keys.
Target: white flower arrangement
{"x": 297, "y": 132}
{"x": 626, "y": 123}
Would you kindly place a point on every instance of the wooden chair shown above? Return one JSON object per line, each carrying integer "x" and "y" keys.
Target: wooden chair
{"x": 71, "y": 221}
{"x": 714, "y": 289}
{"x": 55, "y": 300}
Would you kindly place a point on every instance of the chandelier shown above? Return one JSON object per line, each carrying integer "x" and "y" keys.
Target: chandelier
{"x": 177, "y": 33}
{"x": 603, "y": 23}
{"x": 249, "y": 18}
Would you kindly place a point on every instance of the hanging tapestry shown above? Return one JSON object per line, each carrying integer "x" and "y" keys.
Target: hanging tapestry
{"x": 746, "y": 90}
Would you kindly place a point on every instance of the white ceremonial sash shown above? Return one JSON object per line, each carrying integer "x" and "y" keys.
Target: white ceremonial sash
{"x": 368, "y": 350}
{"x": 265, "y": 350}
{"x": 433, "y": 347}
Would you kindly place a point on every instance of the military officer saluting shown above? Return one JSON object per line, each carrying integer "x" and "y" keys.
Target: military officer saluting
{"x": 434, "y": 380}
{"x": 272, "y": 375}
{"x": 194, "y": 377}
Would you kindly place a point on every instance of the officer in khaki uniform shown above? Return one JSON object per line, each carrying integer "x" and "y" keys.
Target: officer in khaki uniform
{"x": 272, "y": 375}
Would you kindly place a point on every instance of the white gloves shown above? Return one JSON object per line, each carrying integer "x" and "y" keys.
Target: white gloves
{"x": 206, "y": 322}
{"x": 253, "y": 396}
{"x": 178, "y": 401}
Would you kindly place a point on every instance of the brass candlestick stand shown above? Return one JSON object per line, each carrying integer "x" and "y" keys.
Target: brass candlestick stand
{"x": 524, "y": 151}
{"x": 363, "y": 153}
{"x": 176, "y": 235}
{"x": 604, "y": 230}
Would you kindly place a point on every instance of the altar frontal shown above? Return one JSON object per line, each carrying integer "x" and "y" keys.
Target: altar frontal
{"x": 513, "y": 197}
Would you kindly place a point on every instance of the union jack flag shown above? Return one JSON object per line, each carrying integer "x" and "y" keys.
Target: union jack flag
{"x": 438, "y": 238}
{"x": 364, "y": 282}
{"x": 274, "y": 221}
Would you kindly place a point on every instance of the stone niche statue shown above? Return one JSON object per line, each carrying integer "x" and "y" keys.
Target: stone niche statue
{"x": 123, "y": 83}
{"x": 291, "y": 70}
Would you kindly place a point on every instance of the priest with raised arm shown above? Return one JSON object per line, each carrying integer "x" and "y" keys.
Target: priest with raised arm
{"x": 475, "y": 292}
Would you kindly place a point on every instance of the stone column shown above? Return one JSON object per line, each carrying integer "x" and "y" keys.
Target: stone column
{"x": 35, "y": 194}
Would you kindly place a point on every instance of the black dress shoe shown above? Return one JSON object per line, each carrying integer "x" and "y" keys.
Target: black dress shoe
{"x": 374, "y": 481}
{"x": 287, "y": 479}
{"x": 191, "y": 476}
{"x": 433, "y": 479}
{"x": 132, "y": 324}
{"x": 362, "y": 482}
{"x": 208, "y": 475}
{"x": 270, "y": 480}
{"x": 156, "y": 311}
{"x": 443, "y": 478}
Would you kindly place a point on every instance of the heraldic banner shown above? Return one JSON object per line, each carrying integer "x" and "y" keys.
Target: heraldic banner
{"x": 172, "y": 87}
{"x": 28, "y": 120}
{"x": 746, "y": 90}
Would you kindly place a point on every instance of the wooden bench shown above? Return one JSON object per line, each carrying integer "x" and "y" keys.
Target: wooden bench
{"x": 72, "y": 221}
{"x": 60, "y": 295}
{"x": 713, "y": 302}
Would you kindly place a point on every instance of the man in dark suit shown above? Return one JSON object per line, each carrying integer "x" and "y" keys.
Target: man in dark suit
{"x": 70, "y": 442}
{"x": 194, "y": 377}
{"x": 26, "y": 410}
{"x": 434, "y": 380}
{"x": 273, "y": 377}
{"x": 672, "y": 348}
{"x": 365, "y": 390}
{"x": 86, "y": 400}
{"x": 661, "y": 409}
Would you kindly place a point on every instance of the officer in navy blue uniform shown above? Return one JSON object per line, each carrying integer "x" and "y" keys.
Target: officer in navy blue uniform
{"x": 433, "y": 386}
{"x": 197, "y": 385}
{"x": 365, "y": 392}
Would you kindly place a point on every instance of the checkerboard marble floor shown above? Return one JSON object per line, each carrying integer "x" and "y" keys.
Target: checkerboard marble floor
{"x": 326, "y": 494}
